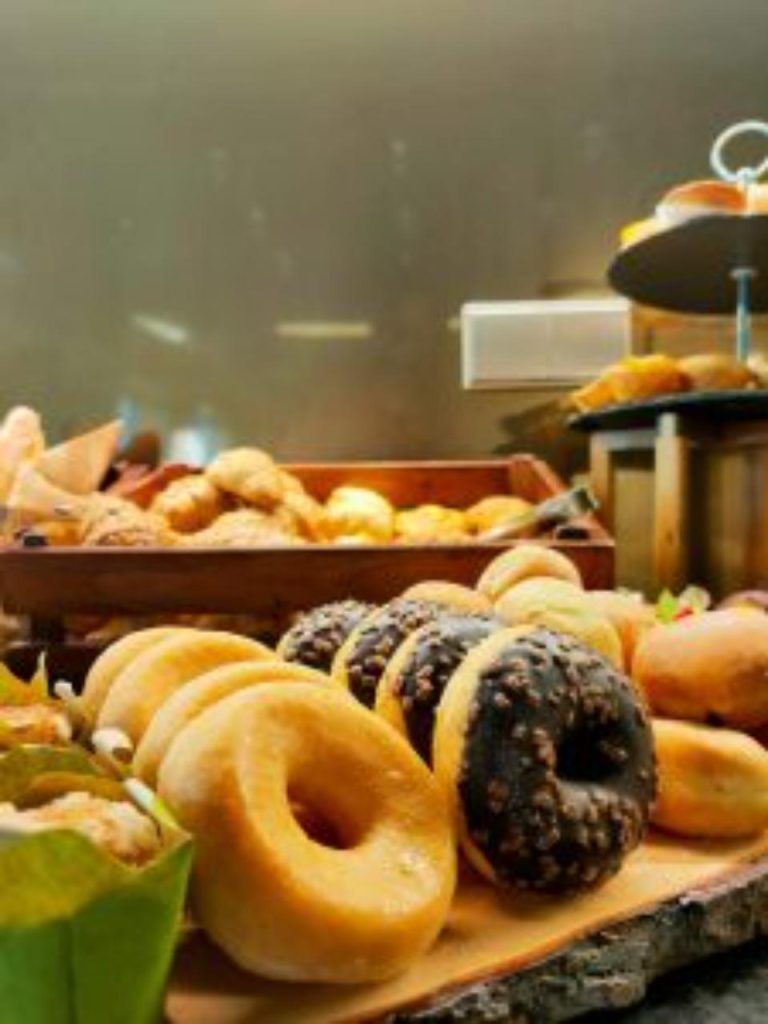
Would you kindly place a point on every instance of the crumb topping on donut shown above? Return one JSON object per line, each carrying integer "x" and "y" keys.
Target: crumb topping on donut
{"x": 441, "y": 647}
{"x": 558, "y": 773}
{"x": 318, "y": 634}
{"x": 379, "y": 639}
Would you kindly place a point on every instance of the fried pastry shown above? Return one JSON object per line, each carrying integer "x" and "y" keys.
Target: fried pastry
{"x": 431, "y": 524}
{"x": 112, "y": 522}
{"x": 244, "y": 528}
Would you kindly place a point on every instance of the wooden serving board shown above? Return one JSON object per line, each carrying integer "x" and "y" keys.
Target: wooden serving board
{"x": 521, "y": 957}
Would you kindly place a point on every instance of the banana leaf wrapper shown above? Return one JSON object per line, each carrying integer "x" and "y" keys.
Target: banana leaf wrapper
{"x": 84, "y": 939}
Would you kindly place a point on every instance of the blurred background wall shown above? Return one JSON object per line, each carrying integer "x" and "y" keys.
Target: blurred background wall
{"x": 262, "y": 216}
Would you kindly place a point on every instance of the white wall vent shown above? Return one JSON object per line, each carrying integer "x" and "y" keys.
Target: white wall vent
{"x": 541, "y": 343}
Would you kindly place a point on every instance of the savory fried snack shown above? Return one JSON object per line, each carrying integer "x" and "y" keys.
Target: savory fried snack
{"x": 150, "y": 678}
{"x": 525, "y": 561}
{"x": 358, "y": 897}
{"x": 546, "y": 753}
{"x": 117, "y": 827}
{"x": 361, "y": 660}
{"x": 191, "y": 700}
{"x": 80, "y": 464}
{"x": 416, "y": 676}
{"x": 495, "y": 510}
{"x": 315, "y": 638}
{"x": 453, "y": 596}
{"x": 352, "y": 512}
{"x": 431, "y": 524}
{"x": 713, "y": 783}
{"x": 711, "y": 667}
{"x": 190, "y": 503}
{"x": 563, "y": 607}
{"x": 248, "y": 474}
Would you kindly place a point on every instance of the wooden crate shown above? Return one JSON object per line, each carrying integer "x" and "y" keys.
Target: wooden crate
{"x": 274, "y": 582}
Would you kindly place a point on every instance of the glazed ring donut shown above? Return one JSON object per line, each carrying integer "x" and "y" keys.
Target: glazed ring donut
{"x": 317, "y": 636}
{"x": 548, "y": 753}
{"x": 147, "y": 681}
{"x": 194, "y": 697}
{"x": 111, "y": 662}
{"x": 453, "y": 596}
{"x": 360, "y": 662}
{"x": 358, "y": 907}
{"x": 414, "y": 680}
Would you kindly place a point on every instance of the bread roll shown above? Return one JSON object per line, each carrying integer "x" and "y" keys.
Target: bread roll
{"x": 630, "y": 616}
{"x": 712, "y": 666}
{"x": 713, "y": 783}
{"x": 451, "y": 595}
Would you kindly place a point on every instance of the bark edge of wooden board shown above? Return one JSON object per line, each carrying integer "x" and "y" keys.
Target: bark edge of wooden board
{"x": 611, "y": 969}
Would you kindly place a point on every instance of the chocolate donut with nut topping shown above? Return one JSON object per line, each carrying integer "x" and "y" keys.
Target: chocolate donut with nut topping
{"x": 316, "y": 637}
{"x": 414, "y": 680}
{"x": 547, "y": 752}
{"x": 361, "y": 662}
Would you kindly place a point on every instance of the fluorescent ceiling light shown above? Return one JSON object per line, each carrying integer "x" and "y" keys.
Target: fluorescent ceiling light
{"x": 164, "y": 331}
{"x": 324, "y": 330}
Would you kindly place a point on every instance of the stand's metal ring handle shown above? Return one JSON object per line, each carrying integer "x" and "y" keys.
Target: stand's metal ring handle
{"x": 744, "y": 175}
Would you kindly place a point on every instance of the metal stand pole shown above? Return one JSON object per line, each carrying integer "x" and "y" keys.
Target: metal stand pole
{"x": 743, "y": 276}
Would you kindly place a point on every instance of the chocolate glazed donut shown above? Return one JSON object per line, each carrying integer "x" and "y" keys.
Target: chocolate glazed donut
{"x": 415, "y": 678}
{"x": 361, "y": 662}
{"x": 318, "y": 634}
{"x": 549, "y": 752}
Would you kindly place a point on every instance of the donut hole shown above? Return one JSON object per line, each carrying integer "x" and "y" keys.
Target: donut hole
{"x": 582, "y": 756}
{"x": 325, "y": 822}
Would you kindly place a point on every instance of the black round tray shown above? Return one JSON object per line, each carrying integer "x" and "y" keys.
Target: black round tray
{"x": 688, "y": 268}
{"x": 724, "y": 406}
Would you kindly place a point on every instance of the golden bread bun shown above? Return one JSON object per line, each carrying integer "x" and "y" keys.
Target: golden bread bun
{"x": 564, "y": 608}
{"x": 431, "y": 524}
{"x": 194, "y": 697}
{"x": 148, "y": 680}
{"x": 108, "y": 521}
{"x": 353, "y": 511}
{"x": 358, "y": 907}
{"x": 248, "y": 474}
{"x": 111, "y": 663}
{"x": 712, "y": 666}
{"x": 496, "y": 510}
{"x": 700, "y": 199}
{"x": 244, "y": 528}
{"x": 629, "y": 614}
{"x": 715, "y": 372}
{"x": 522, "y": 562}
{"x": 713, "y": 783}
{"x": 452, "y": 595}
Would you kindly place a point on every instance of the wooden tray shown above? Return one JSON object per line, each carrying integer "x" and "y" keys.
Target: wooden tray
{"x": 273, "y": 582}
{"x": 522, "y": 957}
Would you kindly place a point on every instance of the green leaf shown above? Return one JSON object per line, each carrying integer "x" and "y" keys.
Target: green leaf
{"x": 667, "y": 606}
{"x": 84, "y": 938}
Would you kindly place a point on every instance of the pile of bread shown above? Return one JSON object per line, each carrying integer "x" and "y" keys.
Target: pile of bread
{"x": 242, "y": 499}
{"x": 639, "y": 378}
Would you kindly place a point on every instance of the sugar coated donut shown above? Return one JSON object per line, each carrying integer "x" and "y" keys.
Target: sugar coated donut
{"x": 548, "y": 753}
{"x": 316, "y": 637}
{"x": 191, "y": 699}
{"x": 111, "y": 662}
{"x": 523, "y": 562}
{"x": 360, "y": 663}
{"x": 360, "y": 906}
{"x": 414, "y": 680}
{"x": 150, "y": 678}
